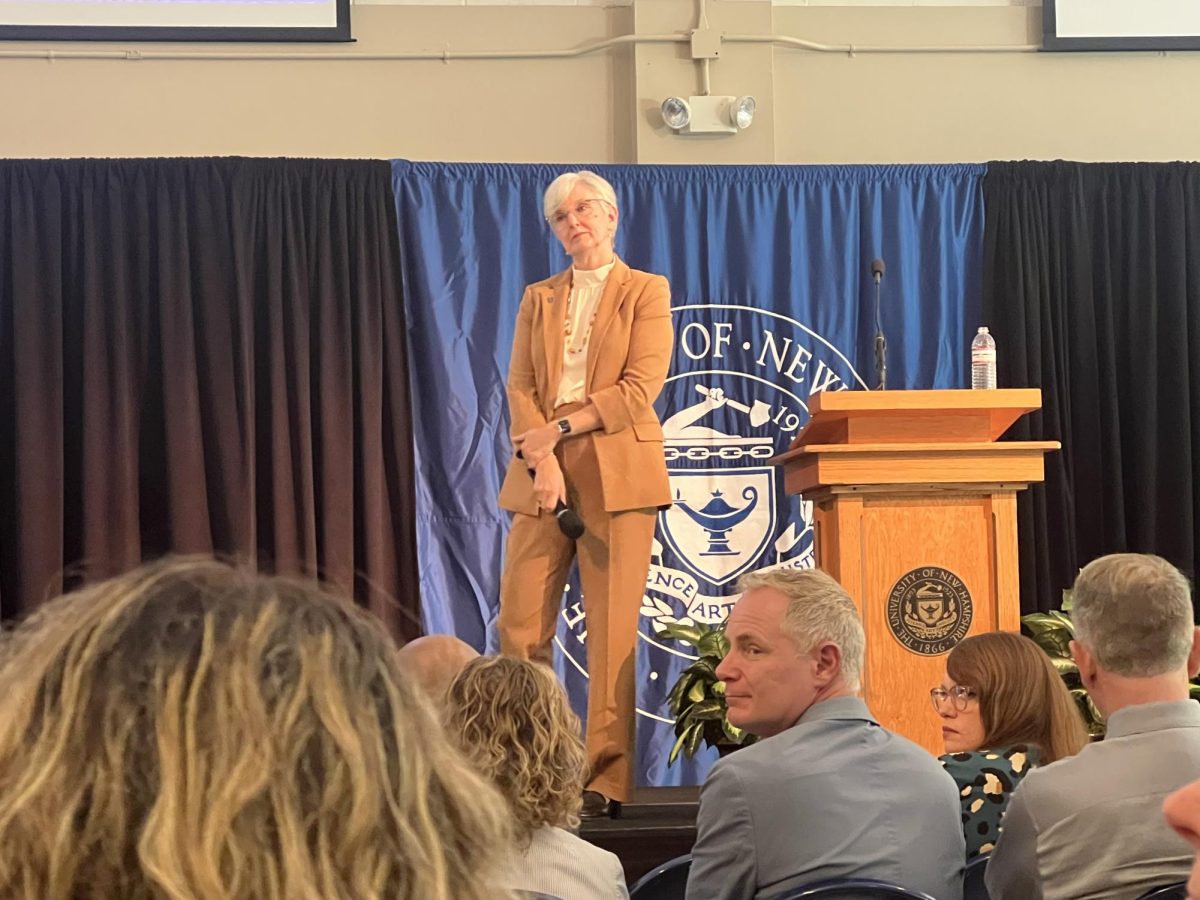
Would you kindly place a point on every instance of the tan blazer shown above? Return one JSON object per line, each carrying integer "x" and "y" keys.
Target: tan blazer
{"x": 628, "y": 355}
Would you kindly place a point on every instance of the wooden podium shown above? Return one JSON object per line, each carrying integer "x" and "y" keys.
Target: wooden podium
{"x": 914, "y": 504}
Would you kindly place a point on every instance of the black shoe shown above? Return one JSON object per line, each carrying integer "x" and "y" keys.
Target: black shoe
{"x": 597, "y": 806}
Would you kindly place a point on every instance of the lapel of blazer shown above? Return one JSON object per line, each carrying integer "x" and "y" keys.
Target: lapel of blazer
{"x": 554, "y": 313}
{"x": 615, "y": 292}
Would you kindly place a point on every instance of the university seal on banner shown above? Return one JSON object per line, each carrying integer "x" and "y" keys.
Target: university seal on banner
{"x": 929, "y": 610}
{"x": 736, "y": 396}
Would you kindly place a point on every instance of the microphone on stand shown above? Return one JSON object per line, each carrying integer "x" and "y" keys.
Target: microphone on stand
{"x": 569, "y": 522}
{"x": 877, "y": 270}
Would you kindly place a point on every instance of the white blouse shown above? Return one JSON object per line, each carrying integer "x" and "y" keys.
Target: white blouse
{"x": 587, "y": 286}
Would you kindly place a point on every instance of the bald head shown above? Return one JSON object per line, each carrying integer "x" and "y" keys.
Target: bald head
{"x": 434, "y": 661}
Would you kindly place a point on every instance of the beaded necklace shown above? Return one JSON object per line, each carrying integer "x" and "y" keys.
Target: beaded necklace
{"x": 567, "y": 330}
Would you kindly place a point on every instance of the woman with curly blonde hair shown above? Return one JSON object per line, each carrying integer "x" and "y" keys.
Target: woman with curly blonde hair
{"x": 195, "y": 731}
{"x": 512, "y": 720}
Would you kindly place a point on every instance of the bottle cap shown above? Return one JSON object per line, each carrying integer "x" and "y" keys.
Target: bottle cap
{"x": 983, "y": 329}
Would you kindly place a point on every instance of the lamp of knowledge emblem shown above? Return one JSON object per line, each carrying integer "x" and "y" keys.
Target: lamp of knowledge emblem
{"x": 725, "y": 501}
{"x": 929, "y": 610}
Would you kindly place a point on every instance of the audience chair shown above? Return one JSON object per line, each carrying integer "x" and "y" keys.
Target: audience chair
{"x": 1176, "y": 891}
{"x": 667, "y": 882}
{"x": 973, "y": 885}
{"x": 856, "y": 887}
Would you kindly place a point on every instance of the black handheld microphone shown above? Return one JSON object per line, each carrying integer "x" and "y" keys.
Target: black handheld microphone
{"x": 877, "y": 270}
{"x": 569, "y": 522}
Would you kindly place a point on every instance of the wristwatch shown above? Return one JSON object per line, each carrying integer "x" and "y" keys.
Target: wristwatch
{"x": 564, "y": 426}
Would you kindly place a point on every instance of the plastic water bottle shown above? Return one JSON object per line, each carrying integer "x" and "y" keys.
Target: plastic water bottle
{"x": 983, "y": 361}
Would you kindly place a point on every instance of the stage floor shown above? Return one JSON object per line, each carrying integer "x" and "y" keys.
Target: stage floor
{"x": 657, "y": 825}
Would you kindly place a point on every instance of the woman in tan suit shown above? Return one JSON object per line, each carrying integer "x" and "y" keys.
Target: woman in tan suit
{"x": 590, "y": 355}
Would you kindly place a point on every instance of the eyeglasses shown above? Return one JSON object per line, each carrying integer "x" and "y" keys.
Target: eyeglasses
{"x": 960, "y": 696}
{"x": 582, "y": 210}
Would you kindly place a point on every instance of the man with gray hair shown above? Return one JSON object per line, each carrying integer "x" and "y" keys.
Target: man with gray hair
{"x": 828, "y": 793}
{"x": 1091, "y": 825}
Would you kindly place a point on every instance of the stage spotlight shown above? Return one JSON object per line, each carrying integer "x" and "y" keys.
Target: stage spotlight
{"x": 676, "y": 112}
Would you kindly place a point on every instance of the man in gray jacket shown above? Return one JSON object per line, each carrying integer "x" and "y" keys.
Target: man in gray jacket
{"x": 1091, "y": 825}
{"x": 828, "y": 793}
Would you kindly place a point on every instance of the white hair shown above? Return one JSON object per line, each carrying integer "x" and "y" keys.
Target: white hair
{"x": 1134, "y": 611}
{"x": 818, "y": 610}
{"x": 561, "y": 187}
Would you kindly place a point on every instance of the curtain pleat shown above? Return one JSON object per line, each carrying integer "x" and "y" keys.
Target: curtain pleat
{"x": 1090, "y": 286}
{"x": 204, "y": 356}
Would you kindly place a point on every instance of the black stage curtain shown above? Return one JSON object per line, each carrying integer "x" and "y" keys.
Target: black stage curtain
{"x": 1092, "y": 289}
{"x": 203, "y": 356}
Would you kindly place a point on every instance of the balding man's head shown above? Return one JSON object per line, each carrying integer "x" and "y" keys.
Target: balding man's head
{"x": 435, "y": 660}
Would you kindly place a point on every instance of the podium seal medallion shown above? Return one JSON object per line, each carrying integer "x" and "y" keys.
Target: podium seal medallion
{"x": 929, "y": 610}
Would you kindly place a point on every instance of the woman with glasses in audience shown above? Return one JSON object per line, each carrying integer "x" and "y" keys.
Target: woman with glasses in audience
{"x": 590, "y": 354}
{"x": 1003, "y": 708}
{"x": 194, "y": 730}
{"x": 512, "y": 720}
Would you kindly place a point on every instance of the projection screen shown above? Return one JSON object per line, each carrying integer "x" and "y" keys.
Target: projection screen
{"x": 175, "y": 20}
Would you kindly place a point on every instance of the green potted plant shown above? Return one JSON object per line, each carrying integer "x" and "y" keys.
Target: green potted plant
{"x": 697, "y": 699}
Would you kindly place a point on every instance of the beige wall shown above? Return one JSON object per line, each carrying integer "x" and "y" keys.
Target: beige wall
{"x": 974, "y": 107}
{"x": 813, "y": 107}
{"x": 496, "y": 111}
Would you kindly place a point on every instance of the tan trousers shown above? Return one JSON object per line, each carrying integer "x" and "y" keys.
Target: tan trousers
{"x": 614, "y": 555}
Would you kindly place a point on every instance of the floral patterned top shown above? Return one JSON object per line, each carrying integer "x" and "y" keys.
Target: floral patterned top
{"x": 986, "y": 779}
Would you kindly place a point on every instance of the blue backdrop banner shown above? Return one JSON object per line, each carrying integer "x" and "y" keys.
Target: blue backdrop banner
{"x": 772, "y": 299}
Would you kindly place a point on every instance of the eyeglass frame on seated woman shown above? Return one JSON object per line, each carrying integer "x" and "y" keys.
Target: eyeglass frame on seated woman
{"x": 961, "y": 694}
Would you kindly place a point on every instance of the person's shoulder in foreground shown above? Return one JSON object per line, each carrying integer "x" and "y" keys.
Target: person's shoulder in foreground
{"x": 559, "y": 862}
